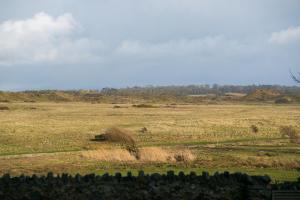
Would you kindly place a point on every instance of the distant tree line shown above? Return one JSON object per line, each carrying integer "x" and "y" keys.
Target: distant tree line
{"x": 197, "y": 90}
{"x": 183, "y": 94}
{"x": 175, "y": 90}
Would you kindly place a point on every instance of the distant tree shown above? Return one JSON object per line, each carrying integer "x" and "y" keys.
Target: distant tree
{"x": 295, "y": 78}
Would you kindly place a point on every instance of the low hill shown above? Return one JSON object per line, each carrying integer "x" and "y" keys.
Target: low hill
{"x": 166, "y": 94}
{"x": 263, "y": 95}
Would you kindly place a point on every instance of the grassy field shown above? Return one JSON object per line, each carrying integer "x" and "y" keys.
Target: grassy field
{"x": 42, "y": 137}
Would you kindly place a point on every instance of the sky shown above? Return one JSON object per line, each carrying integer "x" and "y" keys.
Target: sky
{"x": 79, "y": 44}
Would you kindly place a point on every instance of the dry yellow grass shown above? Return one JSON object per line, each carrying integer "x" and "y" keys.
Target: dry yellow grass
{"x": 156, "y": 154}
{"x": 147, "y": 154}
{"x": 185, "y": 156}
{"x": 219, "y": 135}
{"x": 70, "y": 126}
{"x": 109, "y": 155}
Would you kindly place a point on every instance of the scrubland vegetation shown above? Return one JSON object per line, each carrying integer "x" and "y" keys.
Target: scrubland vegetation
{"x": 145, "y": 96}
{"x": 37, "y": 137}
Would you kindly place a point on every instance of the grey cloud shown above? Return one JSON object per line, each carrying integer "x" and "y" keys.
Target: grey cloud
{"x": 288, "y": 36}
{"x": 205, "y": 47}
{"x": 120, "y": 43}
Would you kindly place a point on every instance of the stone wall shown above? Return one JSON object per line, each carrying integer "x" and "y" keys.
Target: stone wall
{"x": 155, "y": 186}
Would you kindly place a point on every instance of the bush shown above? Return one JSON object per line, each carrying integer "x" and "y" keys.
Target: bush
{"x": 29, "y": 101}
{"x": 156, "y": 154}
{"x": 143, "y": 106}
{"x": 291, "y": 133}
{"x": 134, "y": 151}
{"x": 282, "y": 101}
{"x": 108, "y": 155}
{"x": 254, "y": 129}
{"x": 122, "y": 137}
{"x": 4, "y": 101}
{"x": 4, "y": 108}
{"x": 116, "y": 135}
{"x": 143, "y": 130}
{"x": 184, "y": 156}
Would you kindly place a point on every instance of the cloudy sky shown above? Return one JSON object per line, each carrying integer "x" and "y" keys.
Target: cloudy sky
{"x": 79, "y": 44}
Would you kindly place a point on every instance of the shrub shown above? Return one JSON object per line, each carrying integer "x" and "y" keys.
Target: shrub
{"x": 122, "y": 137}
{"x": 134, "y": 151}
{"x": 282, "y": 101}
{"x": 170, "y": 106}
{"x": 143, "y": 106}
{"x": 147, "y": 154}
{"x": 4, "y": 108}
{"x": 108, "y": 155}
{"x": 4, "y": 101}
{"x": 254, "y": 128}
{"x": 268, "y": 154}
{"x": 156, "y": 154}
{"x": 184, "y": 156}
{"x": 291, "y": 133}
{"x": 29, "y": 101}
{"x": 143, "y": 130}
{"x": 116, "y": 135}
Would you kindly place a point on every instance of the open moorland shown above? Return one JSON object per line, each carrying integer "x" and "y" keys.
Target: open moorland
{"x": 37, "y": 137}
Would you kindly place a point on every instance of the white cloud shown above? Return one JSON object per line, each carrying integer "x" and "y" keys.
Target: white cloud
{"x": 290, "y": 35}
{"x": 43, "y": 38}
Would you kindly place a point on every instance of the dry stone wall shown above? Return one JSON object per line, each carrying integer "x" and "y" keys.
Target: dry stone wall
{"x": 155, "y": 186}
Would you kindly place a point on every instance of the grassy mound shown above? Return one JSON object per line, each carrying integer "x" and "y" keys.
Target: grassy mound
{"x": 263, "y": 95}
{"x": 117, "y": 135}
{"x": 122, "y": 137}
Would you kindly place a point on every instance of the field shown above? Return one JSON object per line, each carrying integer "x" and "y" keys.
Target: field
{"x": 58, "y": 137}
